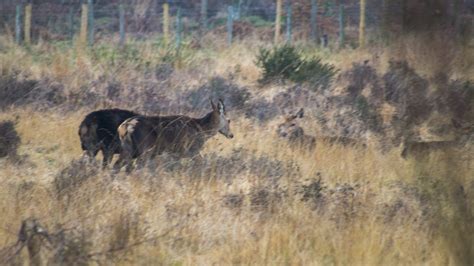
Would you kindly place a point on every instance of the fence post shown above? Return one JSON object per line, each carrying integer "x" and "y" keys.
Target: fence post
{"x": 121, "y": 25}
{"x": 288, "y": 23}
{"x": 178, "y": 28}
{"x": 166, "y": 22}
{"x": 384, "y": 26}
{"x": 329, "y": 8}
{"x": 178, "y": 38}
{"x": 27, "y": 39}
{"x": 83, "y": 31}
{"x": 204, "y": 14}
{"x": 18, "y": 24}
{"x": 278, "y": 21}
{"x": 362, "y": 24}
{"x": 314, "y": 22}
{"x": 91, "y": 21}
{"x": 341, "y": 26}
{"x": 230, "y": 24}
{"x": 237, "y": 12}
{"x": 71, "y": 22}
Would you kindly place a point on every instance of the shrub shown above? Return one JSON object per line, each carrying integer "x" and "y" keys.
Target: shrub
{"x": 73, "y": 176}
{"x": 408, "y": 92}
{"x": 286, "y": 63}
{"x": 16, "y": 90}
{"x": 315, "y": 72}
{"x": 235, "y": 97}
{"x": 312, "y": 192}
{"x": 279, "y": 63}
{"x": 261, "y": 110}
{"x": 257, "y": 21}
{"x": 9, "y": 139}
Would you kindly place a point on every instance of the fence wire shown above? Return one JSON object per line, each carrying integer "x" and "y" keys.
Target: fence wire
{"x": 60, "y": 19}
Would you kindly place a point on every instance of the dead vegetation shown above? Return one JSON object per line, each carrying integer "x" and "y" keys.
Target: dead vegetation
{"x": 9, "y": 139}
{"x": 250, "y": 201}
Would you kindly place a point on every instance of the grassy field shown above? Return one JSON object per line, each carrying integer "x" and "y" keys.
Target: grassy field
{"x": 253, "y": 200}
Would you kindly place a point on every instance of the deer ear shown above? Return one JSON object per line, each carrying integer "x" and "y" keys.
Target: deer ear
{"x": 212, "y": 104}
{"x": 300, "y": 113}
{"x": 220, "y": 106}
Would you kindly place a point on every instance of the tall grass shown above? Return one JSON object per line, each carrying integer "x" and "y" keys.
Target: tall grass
{"x": 245, "y": 203}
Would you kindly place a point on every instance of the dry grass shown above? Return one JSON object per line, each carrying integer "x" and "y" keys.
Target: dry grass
{"x": 355, "y": 228}
{"x": 373, "y": 208}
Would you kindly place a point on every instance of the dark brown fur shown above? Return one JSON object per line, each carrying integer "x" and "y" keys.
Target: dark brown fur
{"x": 98, "y": 132}
{"x": 181, "y": 136}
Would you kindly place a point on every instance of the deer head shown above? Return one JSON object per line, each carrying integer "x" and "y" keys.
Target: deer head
{"x": 220, "y": 119}
{"x": 290, "y": 128}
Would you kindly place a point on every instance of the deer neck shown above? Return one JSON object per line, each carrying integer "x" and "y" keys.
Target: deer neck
{"x": 207, "y": 125}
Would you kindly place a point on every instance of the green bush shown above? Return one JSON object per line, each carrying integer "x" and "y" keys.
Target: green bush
{"x": 278, "y": 63}
{"x": 286, "y": 63}
{"x": 257, "y": 21}
{"x": 315, "y": 72}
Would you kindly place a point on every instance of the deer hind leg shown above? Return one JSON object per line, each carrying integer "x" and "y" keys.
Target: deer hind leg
{"x": 124, "y": 159}
{"x": 88, "y": 156}
{"x": 108, "y": 155}
{"x": 142, "y": 160}
{"x": 129, "y": 167}
{"x": 148, "y": 159}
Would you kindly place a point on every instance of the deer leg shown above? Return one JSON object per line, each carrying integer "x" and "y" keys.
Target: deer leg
{"x": 129, "y": 167}
{"x": 89, "y": 155}
{"x": 108, "y": 155}
{"x": 141, "y": 161}
{"x": 123, "y": 158}
{"x": 151, "y": 158}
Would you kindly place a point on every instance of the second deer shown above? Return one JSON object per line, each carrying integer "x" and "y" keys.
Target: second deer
{"x": 294, "y": 133}
{"x": 145, "y": 137}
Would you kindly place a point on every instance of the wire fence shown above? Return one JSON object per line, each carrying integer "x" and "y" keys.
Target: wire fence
{"x": 301, "y": 20}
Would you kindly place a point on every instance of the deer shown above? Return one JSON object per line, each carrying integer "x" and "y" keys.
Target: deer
{"x": 419, "y": 149}
{"x": 98, "y": 132}
{"x": 294, "y": 133}
{"x": 145, "y": 137}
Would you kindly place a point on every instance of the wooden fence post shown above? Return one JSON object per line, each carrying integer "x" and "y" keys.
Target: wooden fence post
{"x": 28, "y": 9}
{"x": 90, "y": 21}
{"x": 230, "y": 24}
{"x": 362, "y": 24}
{"x": 83, "y": 31}
{"x": 278, "y": 21}
{"x": 121, "y": 25}
{"x": 204, "y": 14}
{"x": 18, "y": 24}
{"x": 288, "y": 23}
{"x": 178, "y": 38}
{"x": 314, "y": 21}
{"x": 341, "y": 26}
{"x": 166, "y": 22}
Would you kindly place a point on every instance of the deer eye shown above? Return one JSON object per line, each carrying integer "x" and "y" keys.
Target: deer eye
{"x": 228, "y": 121}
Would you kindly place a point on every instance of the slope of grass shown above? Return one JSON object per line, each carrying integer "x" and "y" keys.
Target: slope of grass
{"x": 253, "y": 200}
